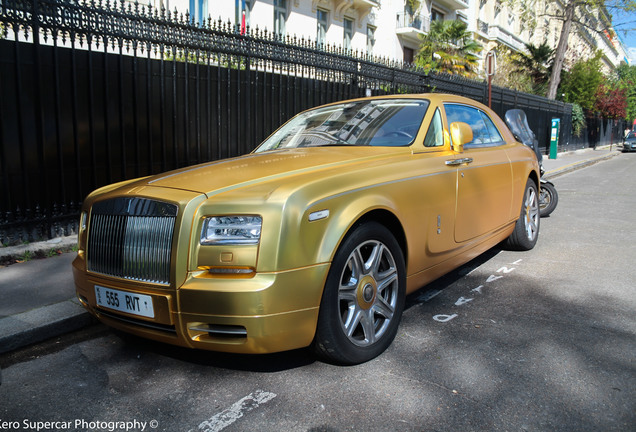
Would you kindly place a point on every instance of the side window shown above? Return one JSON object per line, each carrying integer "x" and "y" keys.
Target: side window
{"x": 495, "y": 136}
{"x": 435, "y": 134}
{"x": 484, "y": 131}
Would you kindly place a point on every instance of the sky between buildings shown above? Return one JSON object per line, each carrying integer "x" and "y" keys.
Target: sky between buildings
{"x": 622, "y": 23}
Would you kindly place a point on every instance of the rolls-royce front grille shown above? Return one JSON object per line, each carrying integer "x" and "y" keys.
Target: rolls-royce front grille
{"x": 131, "y": 238}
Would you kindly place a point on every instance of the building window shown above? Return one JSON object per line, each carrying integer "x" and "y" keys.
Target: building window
{"x": 321, "y": 32}
{"x": 436, "y": 15}
{"x": 370, "y": 39}
{"x": 348, "y": 33}
{"x": 280, "y": 16}
{"x": 198, "y": 11}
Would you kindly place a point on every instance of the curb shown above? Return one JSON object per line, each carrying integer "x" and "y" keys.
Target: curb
{"x": 43, "y": 247}
{"x": 43, "y": 323}
{"x": 578, "y": 165}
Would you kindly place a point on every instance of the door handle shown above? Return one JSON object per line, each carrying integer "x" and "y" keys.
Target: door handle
{"x": 460, "y": 161}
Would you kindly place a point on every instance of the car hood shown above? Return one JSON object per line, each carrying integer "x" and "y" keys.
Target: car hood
{"x": 227, "y": 174}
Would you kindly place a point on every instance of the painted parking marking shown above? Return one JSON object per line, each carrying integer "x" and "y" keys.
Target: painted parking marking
{"x": 478, "y": 289}
{"x": 505, "y": 269}
{"x": 227, "y": 417}
{"x": 444, "y": 318}
{"x": 492, "y": 278}
{"x": 463, "y": 301}
{"x": 499, "y": 274}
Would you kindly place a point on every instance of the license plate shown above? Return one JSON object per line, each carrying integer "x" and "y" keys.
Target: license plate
{"x": 122, "y": 301}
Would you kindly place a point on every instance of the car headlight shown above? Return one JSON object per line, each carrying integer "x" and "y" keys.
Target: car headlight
{"x": 83, "y": 221}
{"x": 231, "y": 230}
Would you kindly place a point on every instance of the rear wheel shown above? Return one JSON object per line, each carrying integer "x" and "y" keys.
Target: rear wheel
{"x": 548, "y": 199}
{"x": 363, "y": 297}
{"x": 526, "y": 231}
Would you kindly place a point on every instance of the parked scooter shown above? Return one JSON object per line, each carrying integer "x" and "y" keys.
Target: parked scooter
{"x": 518, "y": 123}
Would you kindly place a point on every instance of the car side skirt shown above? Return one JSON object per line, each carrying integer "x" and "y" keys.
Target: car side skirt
{"x": 419, "y": 280}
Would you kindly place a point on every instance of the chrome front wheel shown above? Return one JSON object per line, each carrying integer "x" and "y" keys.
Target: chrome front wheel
{"x": 363, "y": 298}
{"x": 368, "y": 293}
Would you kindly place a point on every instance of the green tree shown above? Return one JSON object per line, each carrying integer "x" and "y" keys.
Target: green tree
{"x": 580, "y": 83}
{"x": 578, "y": 119}
{"x": 448, "y": 47}
{"x": 536, "y": 63}
{"x": 627, "y": 80}
{"x": 509, "y": 74}
{"x": 574, "y": 14}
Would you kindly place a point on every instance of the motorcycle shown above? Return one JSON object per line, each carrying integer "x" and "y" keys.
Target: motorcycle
{"x": 518, "y": 124}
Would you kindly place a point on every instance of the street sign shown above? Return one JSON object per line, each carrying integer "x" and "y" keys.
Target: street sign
{"x": 491, "y": 63}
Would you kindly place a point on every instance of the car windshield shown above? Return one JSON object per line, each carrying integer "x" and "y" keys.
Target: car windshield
{"x": 631, "y": 135}
{"x": 384, "y": 122}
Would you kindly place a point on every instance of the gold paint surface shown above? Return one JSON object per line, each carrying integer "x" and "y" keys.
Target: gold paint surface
{"x": 442, "y": 216}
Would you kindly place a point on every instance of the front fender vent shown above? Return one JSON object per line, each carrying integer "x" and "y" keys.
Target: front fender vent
{"x": 131, "y": 238}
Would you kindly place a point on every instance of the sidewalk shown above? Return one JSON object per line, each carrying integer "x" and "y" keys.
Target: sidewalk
{"x": 39, "y": 295}
{"x": 573, "y": 160}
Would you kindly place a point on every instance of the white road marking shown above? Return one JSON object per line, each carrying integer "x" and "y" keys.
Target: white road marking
{"x": 493, "y": 278}
{"x": 505, "y": 269}
{"x": 478, "y": 289}
{"x": 444, "y": 318}
{"x": 235, "y": 412}
{"x": 462, "y": 301}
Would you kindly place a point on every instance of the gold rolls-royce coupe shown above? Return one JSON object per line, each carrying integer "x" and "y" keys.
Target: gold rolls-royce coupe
{"x": 314, "y": 238}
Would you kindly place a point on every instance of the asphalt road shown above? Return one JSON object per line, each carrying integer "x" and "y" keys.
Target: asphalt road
{"x": 514, "y": 341}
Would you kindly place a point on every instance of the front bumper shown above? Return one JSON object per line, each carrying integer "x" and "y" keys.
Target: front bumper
{"x": 629, "y": 146}
{"x": 269, "y": 312}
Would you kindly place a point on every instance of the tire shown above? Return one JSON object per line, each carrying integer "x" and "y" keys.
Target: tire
{"x": 363, "y": 299}
{"x": 526, "y": 231}
{"x": 548, "y": 199}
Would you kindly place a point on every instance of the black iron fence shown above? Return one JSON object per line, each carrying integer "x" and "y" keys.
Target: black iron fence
{"x": 94, "y": 92}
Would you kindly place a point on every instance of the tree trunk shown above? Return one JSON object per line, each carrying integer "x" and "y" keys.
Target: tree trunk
{"x": 562, "y": 47}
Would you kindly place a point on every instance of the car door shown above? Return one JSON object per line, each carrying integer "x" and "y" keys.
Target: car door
{"x": 439, "y": 192}
{"x": 484, "y": 182}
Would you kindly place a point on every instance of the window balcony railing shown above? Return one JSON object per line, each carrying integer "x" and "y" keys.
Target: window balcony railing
{"x": 409, "y": 23}
{"x": 496, "y": 33}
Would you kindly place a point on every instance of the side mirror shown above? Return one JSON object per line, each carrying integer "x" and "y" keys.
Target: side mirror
{"x": 461, "y": 134}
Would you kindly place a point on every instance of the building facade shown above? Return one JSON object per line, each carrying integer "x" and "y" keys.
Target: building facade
{"x": 496, "y": 22}
{"x": 392, "y": 29}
